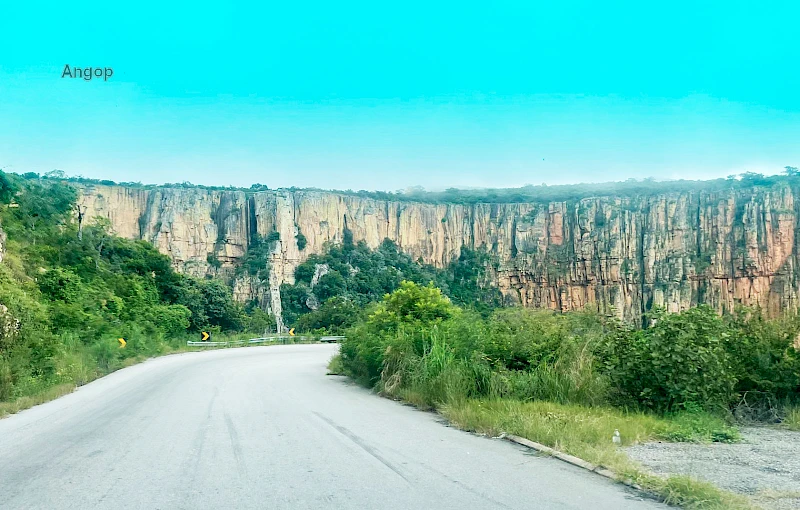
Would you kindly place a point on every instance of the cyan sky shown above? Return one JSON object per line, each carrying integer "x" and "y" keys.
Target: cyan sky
{"x": 384, "y": 96}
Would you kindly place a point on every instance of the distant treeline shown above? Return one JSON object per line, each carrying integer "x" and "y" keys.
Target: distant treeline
{"x": 526, "y": 194}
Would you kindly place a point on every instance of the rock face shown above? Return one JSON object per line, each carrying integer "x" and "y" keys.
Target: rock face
{"x": 617, "y": 255}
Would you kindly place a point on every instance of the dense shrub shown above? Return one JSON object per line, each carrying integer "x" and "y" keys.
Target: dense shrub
{"x": 334, "y": 316}
{"x": 360, "y": 275}
{"x": 678, "y": 362}
{"x": 417, "y": 345}
{"x": 301, "y": 240}
{"x": 765, "y": 363}
{"x": 69, "y": 291}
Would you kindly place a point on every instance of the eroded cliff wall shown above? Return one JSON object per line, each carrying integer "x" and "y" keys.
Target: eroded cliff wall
{"x": 620, "y": 255}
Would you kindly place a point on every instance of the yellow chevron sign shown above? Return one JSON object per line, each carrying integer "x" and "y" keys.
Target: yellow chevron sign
{"x": 291, "y": 332}
{"x": 122, "y": 343}
{"x": 205, "y": 336}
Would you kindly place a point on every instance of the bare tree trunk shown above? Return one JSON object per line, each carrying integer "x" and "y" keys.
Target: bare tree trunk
{"x": 80, "y": 222}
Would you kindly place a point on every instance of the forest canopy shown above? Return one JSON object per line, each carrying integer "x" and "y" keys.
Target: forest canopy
{"x": 527, "y": 194}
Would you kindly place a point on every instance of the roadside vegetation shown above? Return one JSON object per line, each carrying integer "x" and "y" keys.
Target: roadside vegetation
{"x": 792, "y": 419}
{"x": 174, "y": 346}
{"x": 331, "y": 288}
{"x": 70, "y": 289}
{"x": 570, "y": 380}
{"x": 439, "y": 338}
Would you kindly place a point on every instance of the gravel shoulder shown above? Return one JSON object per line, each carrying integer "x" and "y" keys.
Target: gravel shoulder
{"x": 764, "y": 466}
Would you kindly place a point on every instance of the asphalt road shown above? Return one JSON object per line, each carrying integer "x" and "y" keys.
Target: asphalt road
{"x": 264, "y": 427}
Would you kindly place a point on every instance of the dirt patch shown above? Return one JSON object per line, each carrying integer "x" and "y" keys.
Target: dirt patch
{"x": 764, "y": 466}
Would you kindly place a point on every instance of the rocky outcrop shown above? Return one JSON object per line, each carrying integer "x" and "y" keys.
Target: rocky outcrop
{"x": 618, "y": 255}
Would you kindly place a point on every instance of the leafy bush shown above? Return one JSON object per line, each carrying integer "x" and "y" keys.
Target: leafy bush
{"x": 763, "y": 355}
{"x": 678, "y": 362}
{"x": 60, "y": 284}
{"x": 301, "y": 240}
{"x": 361, "y": 275}
{"x": 334, "y": 316}
{"x": 256, "y": 259}
{"x": 171, "y": 319}
{"x": 413, "y": 304}
{"x": 213, "y": 261}
{"x": 519, "y": 339}
{"x": 417, "y": 345}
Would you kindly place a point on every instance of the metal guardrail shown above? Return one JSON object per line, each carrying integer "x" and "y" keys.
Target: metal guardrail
{"x": 331, "y": 339}
{"x": 270, "y": 339}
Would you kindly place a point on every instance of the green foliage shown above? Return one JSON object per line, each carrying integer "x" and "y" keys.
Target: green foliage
{"x": 466, "y": 281}
{"x": 355, "y": 273}
{"x": 172, "y": 319}
{"x": 330, "y": 284}
{"x": 60, "y": 284}
{"x": 347, "y": 239}
{"x": 696, "y": 426}
{"x": 258, "y": 321}
{"x": 544, "y": 194}
{"x": 791, "y": 420}
{"x": 67, "y": 298}
{"x": 213, "y": 261}
{"x": 8, "y": 187}
{"x": 301, "y": 240}
{"x": 256, "y": 259}
{"x": 395, "y": 323}
{"x": 417, "y": 345}
{"x": 530, "y": 194}
{"x": 765, "y": 363}
{"x": 333, "y": 317}
{"x": 412, "y": 304}
{"x": 361, "y": 276}
{"x": 762, "y": 352}
{"x": 679, "y": 362}
{"x": 519, "y": 339}
{"x": 211, "y": 305}
{"x": 294, "y": 300}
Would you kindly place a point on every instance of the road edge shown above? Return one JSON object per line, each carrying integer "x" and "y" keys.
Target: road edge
{"x": 571, "y": 459}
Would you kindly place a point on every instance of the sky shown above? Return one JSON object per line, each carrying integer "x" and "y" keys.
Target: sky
{"x": 384, "y": 96}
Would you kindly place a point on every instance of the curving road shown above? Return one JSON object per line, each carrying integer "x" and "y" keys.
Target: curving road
{"x": 264, "y": 427}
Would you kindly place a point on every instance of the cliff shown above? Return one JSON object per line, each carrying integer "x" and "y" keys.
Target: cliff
{"x": 620, "y": 255}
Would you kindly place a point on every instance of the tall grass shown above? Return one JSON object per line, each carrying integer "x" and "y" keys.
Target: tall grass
{"x": 40, "y": 397}
{"x": 565, "y": 380}
{"x": 441, "y": 374}
{"x": 586, "y": 432}
{"x": 792, "y": 418}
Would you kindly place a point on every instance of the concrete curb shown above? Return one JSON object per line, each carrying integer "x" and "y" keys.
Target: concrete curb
{"x": 575, "y": 461}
